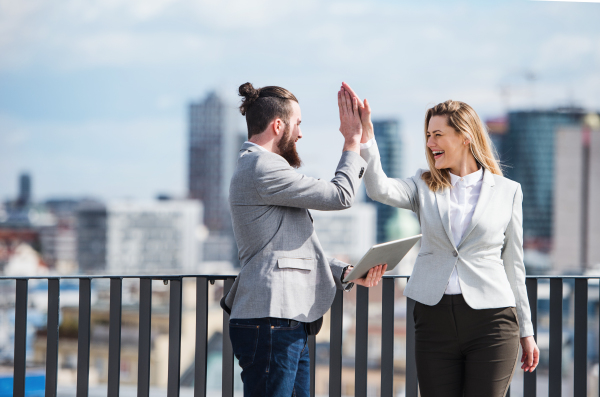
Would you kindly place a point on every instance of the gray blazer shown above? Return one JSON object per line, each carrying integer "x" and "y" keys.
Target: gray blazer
{"x": 285, "y": 272}
{"x": 489, "y": 259}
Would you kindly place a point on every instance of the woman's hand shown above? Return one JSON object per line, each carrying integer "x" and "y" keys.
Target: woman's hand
{"x": 350, "y": 124}
{"x": 372, "y": 278}
{"x": 531, "y": 354}
{"x": 365, "y": 115}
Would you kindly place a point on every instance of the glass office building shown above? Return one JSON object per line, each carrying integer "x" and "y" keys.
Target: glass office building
{"x": 527, "y": 152}
{"x": 389, "y": 141}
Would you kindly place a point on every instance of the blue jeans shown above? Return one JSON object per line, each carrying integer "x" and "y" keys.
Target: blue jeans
{"x": 273, "y": 357}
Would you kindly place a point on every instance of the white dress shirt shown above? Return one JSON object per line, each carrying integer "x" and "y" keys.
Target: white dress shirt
{"x": 463, "y": 199}
{"x": 258, "y": 146}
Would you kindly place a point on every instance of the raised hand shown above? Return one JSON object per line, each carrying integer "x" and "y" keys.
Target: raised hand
{"x": 350, "y": 123}
{"x": 364, "y": 110}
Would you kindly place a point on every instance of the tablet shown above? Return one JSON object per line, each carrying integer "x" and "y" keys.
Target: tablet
{"x": 391, "y": 253}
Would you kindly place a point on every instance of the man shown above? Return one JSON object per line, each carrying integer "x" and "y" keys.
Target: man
{"x": 286, "y": 283}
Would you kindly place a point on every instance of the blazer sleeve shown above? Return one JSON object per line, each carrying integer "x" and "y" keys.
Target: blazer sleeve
{"x": 401, "y": 193}
{"x": 337, "y": 267}
{"x": 512, "y": 256}
{"x": 279, "y": 184}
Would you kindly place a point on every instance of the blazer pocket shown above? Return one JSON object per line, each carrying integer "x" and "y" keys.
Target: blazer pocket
{"x": 425, "y": 253}
{"x": 297, "y": 263}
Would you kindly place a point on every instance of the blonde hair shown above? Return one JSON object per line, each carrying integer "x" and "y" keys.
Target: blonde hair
{"x": 466, "y": 122}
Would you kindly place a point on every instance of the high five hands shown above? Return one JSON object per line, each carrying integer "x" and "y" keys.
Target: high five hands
{"x": 372, "y": 278}
{"x": 364, "y": 110}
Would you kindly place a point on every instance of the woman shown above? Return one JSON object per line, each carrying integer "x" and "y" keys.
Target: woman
{"x": 469, "y": 279}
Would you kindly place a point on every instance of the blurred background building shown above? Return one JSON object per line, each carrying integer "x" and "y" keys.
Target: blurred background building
{"x": 551, "y": 154}
{"x": 389, "y": 141}
{"x": 214, "y": 142}
{"x": 139, "y": 236}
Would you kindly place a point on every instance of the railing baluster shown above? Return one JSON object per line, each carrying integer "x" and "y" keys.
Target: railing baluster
{"x": 335, "y": 345}
{"x": 227, "y": 380}
{"x": 174, "y": 338}
{"x": 52, "y": 337}
{"x": 530, "y": 378}
{"x": 312, "y": 353}
{"x": 114, "y": 337}
{"x": 201, "y": 336}
{"x": 20, "y": 338}
{"x": 580, "y": 353}
{"x": 83, "y": 337}
{"x": 145, "y": 334}
{"x": 412, "y": 383}
{"x": 387, "y": 337}
{"x": 555, "y": 370}
{"x": 362, "y": 341}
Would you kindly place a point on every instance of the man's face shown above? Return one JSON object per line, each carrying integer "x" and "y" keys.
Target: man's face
{"x": 289, "y": 137}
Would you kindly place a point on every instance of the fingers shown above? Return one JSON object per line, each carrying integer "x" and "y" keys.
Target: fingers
{"x": 340, "y": 102}
{"x": 350, "y": 90}
{"x": 530, "y": 358}
{"x": 355, "y": 107}
{"x": 367, "y": 107}
{"x": 348, "y": 103}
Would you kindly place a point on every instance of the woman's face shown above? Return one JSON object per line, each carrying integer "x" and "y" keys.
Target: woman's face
{"x": 447, "y": 145}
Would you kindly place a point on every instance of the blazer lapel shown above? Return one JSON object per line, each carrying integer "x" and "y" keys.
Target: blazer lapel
{"x": 442, "y": 198}
{"x": 486, "y": 194}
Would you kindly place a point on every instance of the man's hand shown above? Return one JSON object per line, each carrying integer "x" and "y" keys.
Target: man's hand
{"x": 350, "y": 124}
{"x": 371, "y": 279}
{"x": 365, "y": 115}
{"x": 531, "y": 354}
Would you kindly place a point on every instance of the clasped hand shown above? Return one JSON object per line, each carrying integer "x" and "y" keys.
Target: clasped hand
{"x": 372, "y": 278}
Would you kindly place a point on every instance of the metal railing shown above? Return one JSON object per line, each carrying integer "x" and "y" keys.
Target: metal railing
{"x": 335, "y": 349}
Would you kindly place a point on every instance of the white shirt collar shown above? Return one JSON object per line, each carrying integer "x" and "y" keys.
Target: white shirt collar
{"x": 258, "y": 146}
{"x": 469, "y": 180}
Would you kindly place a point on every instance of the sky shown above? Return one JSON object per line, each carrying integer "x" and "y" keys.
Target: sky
{"x": 94, "y": 94}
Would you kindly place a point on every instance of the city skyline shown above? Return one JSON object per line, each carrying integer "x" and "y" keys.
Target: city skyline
{"x": 93, "y": 99}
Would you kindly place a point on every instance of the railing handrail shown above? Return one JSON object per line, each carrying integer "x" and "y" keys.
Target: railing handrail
{"x": 160, "y": 277}
{"x": 581, "y": 285}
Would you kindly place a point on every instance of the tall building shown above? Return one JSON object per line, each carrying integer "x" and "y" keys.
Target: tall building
{"x": 389, "y": 141}
{"x": 528, "y": 149}
{"x": 214, "y": 143}
{"x": 577, "y": 197}
{"x": 24, "y": 190}
{"x": 134, "y": 236}
{"x": 348, "y": 234}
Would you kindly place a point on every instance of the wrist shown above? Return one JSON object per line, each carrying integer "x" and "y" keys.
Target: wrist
{"x": 352, "y": 145}
{"x": 368, "y": 133}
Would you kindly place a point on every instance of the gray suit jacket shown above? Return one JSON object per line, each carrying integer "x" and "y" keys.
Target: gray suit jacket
{"x": 489, "y": 259}
{"x": 285, "y": 272}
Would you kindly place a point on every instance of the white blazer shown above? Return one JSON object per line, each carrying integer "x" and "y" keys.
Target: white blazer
{"x": 489, "y": 259}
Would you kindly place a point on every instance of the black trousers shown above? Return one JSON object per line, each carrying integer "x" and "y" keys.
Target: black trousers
{"x": 463, "y": 352}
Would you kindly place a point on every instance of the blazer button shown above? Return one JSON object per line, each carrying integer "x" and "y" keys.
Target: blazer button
{"x": 455, "y": 254}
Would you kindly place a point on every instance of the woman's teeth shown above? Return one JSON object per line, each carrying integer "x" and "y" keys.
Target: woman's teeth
{"x": 437, "y": 153}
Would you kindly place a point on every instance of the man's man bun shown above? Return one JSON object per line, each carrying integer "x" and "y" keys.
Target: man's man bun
{"x": 250, "y": 95}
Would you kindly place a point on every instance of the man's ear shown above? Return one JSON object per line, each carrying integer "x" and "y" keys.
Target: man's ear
{"x": 278, "y": 126}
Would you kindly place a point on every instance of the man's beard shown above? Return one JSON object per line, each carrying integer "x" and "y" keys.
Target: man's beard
{"x": 287, "y": 148}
